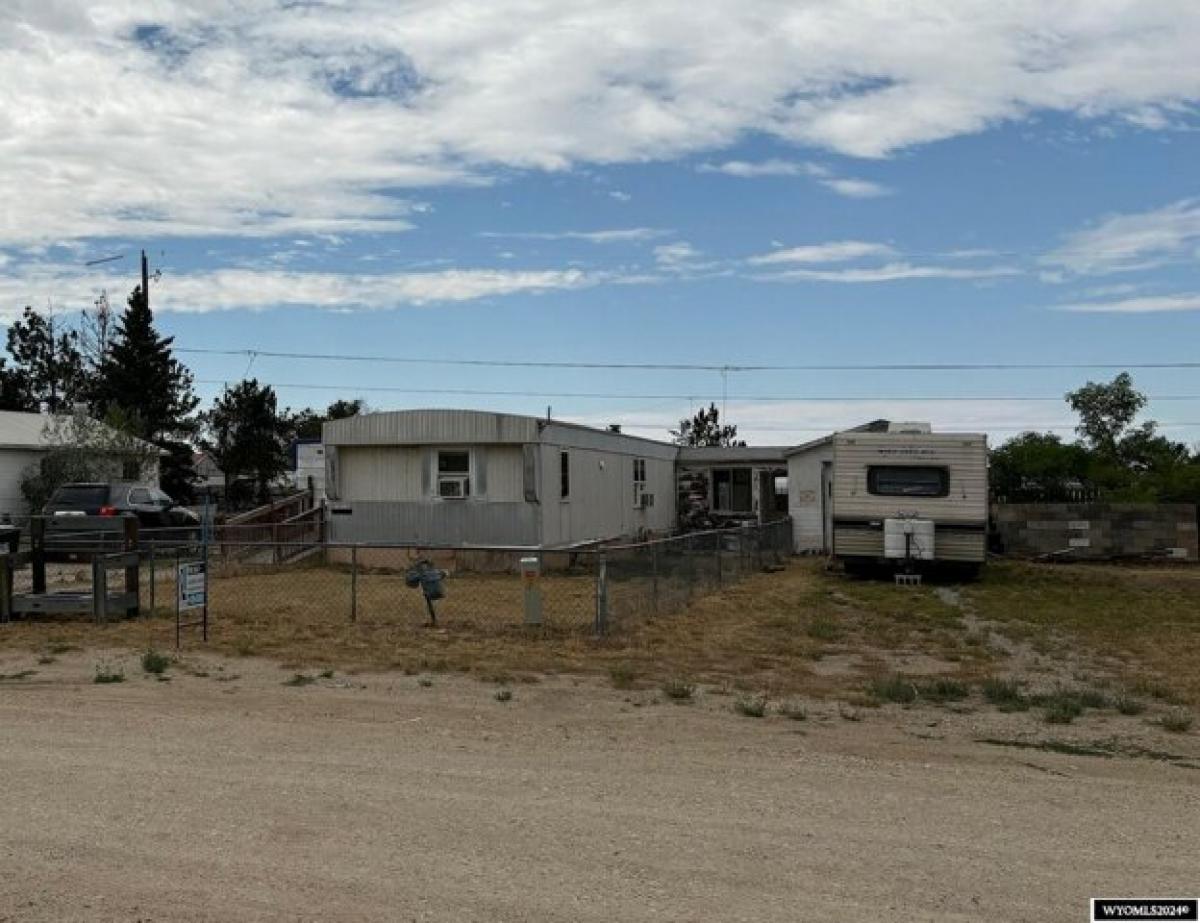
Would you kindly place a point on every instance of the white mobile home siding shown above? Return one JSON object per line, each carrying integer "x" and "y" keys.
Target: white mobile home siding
{"x": 960, "y": 517}
{"x": 601, "y": 504}
{"x": 806, "y": 505}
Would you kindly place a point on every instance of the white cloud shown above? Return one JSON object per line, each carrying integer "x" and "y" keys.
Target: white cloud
{"x": 258, "y": 289}
{"x": 843, "y": 186}
{"x": 752, "y": 170}
{"x": 838, "y": 251}
{"x": 856, "y": 188}
{"x": 890, "y": 272}
{"x": 1147, "y": 304}
{"x": 1124, "y": 243}
{"x": 612, "y": 236}
{"x": 274, "y": 117}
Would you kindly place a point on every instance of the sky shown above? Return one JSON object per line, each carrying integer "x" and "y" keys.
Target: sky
{"x": 585, "y": 185}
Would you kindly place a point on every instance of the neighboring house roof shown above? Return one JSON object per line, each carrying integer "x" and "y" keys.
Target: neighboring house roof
{"x": 875, "y": 426}
{"x": 19, "y": 430}
{"x": 733, "y": 454}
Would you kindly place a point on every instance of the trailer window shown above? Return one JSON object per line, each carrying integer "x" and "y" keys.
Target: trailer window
{"x": 732, "y": 491}
{"x": 454, "y": 474}
{"x": 908, "y": 481}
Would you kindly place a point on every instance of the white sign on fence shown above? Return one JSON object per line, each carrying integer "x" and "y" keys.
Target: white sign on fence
{"x": 193, "y": 584}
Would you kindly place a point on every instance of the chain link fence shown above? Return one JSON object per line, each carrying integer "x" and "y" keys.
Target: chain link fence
{"x": 261, "y": 585}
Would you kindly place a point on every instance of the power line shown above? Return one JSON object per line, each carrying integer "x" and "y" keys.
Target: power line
{"x": 692, "y": 366}
{"x": 611, "y": 395}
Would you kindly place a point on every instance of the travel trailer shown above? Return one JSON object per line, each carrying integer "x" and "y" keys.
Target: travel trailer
{"x": 909, "y": 496}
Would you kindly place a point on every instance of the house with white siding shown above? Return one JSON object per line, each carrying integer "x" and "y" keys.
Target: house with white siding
{"x": 466, "y": 477}
{"x": 27, "y": 438}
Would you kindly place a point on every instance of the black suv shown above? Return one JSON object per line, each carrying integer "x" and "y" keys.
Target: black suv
{"x": 153, "y": 508}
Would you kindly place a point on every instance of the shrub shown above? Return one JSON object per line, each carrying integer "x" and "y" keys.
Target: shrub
{"x": 1128, "y": 705}
{"x": 678, "y": 689}
{"x": 425, "y": 682}
{"x": 300, "y": 679}
{"x": 1177, "y": 721}
{"x": 154, "y": 662}
{"x": 327, "y": 674}
{"x": 751, "y": 706}
{"x": 504, "y": 695}
{"x": 893, "y": 689}
{"x": 1093, "y": 698}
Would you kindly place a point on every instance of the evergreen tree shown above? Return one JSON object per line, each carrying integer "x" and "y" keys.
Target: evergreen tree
{"x": 247, "y": 436}
{"x": 140, "y": 377}
{"x": 46, "y": 369}
{"x": 705, "y": 428}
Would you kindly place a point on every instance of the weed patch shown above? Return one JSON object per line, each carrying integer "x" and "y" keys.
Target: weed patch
{"x": 107, "y": 674}
{"x": 623, "y": 675}
{"x": 893, "y": 689}
{"x": 300, "y": 679}
{"x": 944, "y": 690}
{"x": 751, "y": 706}
{"x": 1005, "y": 694}
{"x": 678, "y": 689}
{"x": 155, "y": 662}
{"x": 1177, "y": 721}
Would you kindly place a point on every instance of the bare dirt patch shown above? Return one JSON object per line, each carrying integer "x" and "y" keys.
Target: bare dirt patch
{"x": 231, "y": 793}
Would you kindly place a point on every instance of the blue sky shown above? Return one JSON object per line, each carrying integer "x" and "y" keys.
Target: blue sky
{"x": 730, "y": 184}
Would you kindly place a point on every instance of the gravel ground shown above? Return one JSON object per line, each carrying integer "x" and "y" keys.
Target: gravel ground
{"x": 230, "y": 796}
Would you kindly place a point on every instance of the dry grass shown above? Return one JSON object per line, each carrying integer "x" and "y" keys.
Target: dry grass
{"x": 800, "y": 630}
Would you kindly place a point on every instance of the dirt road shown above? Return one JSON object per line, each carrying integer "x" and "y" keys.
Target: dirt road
{"x": 234, "y": 797}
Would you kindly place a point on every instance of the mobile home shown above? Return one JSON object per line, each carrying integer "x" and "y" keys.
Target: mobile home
{"x": 462, "y": 477}
{"x": 909, "y": 495}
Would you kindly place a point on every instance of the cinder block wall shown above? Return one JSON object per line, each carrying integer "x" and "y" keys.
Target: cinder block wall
{"x": 1098, "y": 530}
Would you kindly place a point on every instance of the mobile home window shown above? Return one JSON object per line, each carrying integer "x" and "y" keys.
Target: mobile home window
{"x": 454, "y": 474}
{"x": 564, "y": 474}
{"x": 908, "y": 481}
{"x": 639, "y": 480}
{"x": 732, "y": 491}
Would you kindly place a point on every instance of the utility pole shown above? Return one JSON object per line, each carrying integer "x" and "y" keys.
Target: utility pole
{"x": 146, "y": 279}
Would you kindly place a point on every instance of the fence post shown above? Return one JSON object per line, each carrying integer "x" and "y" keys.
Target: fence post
{"x": 717, "y": 542}
{"x": 6, "y": 587}
{"x": 275, "y": 541}
{"x": 354, "y": 583}
{"x": 99, "y": 589}
{"x": 654, "y": 577}
{"x": 601, "y": 626}
{"x": 153, "y": 606}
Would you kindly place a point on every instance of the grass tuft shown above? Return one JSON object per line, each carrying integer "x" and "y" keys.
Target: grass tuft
{"x": 1128, "y": 705}
{"x": 793, "y": 711}
{"x": 751, "y": 706}
{"x": 944, "y": 690}
{"x": 107, "y": 674}
{"x": 679, "y": 689}
{"x": 823, "y": 628}
{"x": 1177, "y": 721}
{"x": 425, "y": 682}
{"x": 300, "y": 679}
{"x": 1005, "y": 694}
{"x": 893, "y": 689}
{"x": 155, "y": 662}
{"x": 326, "y": 674}
{"x": 504, "y": 695}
